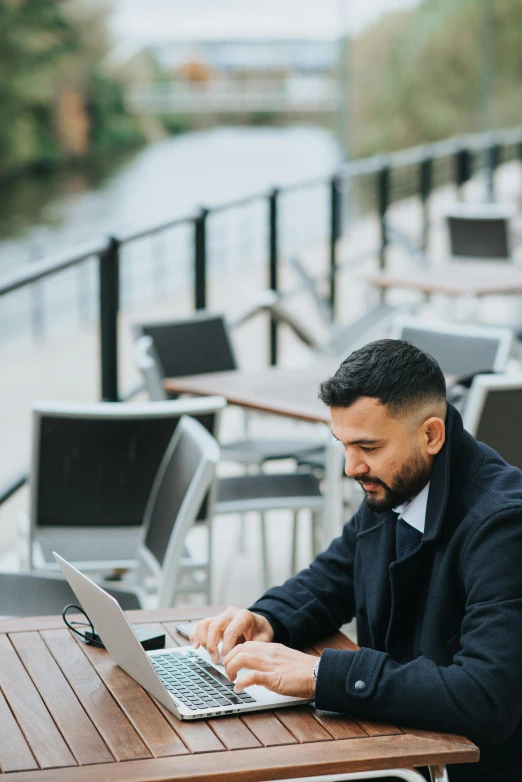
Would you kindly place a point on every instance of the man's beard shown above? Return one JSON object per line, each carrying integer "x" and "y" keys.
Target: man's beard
{"x": 407, "y": 483}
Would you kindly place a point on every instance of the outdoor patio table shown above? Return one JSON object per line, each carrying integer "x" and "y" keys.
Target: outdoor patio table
{"x": 68, "y": 713}
{"x": 467, "y": 278}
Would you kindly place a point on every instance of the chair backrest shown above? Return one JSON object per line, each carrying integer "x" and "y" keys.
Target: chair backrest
{"x": 94, "y": 464}
{"x": 459, "y": 349}
{"x": 480, "y": 231}
{"x": 35, "y": 594}
{"x": 493, "y": 414}
{"x": 192, "y": 346}
{"x": 186, "y": 475}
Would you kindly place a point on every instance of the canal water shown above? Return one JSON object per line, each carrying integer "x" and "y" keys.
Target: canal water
{"x": 43, "y": 215}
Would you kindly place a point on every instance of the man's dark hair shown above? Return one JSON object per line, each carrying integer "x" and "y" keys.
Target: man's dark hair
{"x": 401, "y": 376}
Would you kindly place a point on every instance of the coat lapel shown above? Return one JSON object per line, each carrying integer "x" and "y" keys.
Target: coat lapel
{"x": 393, "y": 590}
{"x": 377, "y": 549}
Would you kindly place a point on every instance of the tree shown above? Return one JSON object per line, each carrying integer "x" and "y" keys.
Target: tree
{"x": 416, "y": 74}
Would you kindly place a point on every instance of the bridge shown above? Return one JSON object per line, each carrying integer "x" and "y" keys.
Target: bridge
{"x": 305, "y": 95}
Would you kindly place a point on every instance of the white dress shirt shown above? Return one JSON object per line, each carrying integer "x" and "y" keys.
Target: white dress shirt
{"x": 414, "y": 511}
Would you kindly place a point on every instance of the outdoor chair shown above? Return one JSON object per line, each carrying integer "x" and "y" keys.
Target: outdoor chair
{"x": 493, "y": 414}
{"x": 185, "y": 480}
{"x": 37, "y": 594}
{"x": 460, "y": 349}
{"x": 480, "y": 231}
{"x": 340, "y": 339}
{"x": 194, "y": 346}
{"x": 93, "y": 467}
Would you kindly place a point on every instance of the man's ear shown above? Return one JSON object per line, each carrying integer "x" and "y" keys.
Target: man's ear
{"x": 435, "y": 433}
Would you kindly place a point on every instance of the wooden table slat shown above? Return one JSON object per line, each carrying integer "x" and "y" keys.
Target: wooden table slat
{"x": 195, "y": 734}
{"x": 293, "y": 760}
{"x": 117, "y": 732}
{"x": 338, "y": 726}
{"x": 233, "y": 733}
{"x": 302, "y": 725}
{"x": 268, "y": 729}
{"x": 149, "y": 722}
{"x": 430, "y": 734}
{"x": 41, "y": 733}
{"x": 83, "y": 739}
{"x": 15, "y": 754}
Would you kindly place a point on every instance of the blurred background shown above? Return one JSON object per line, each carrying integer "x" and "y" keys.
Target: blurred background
{"x": 216, "y": 144}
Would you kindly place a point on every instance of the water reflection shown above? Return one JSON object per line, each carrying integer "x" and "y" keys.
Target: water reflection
{"x": 40, "y": 215}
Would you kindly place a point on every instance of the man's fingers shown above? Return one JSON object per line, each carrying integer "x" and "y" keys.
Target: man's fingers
{"x": 254, "y": 677}
{"x": 198, "y": 636}
{"x": 239, "y": 626}
{"x": 259, "y": 648}
{"x": 246, "y": 660}
{"x": 215, "y": 634}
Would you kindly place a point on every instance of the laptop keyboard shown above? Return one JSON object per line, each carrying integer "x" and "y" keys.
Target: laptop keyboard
{"x": 196, "y": 683}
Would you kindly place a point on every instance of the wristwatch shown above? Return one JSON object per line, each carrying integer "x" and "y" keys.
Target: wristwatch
{"x": 315, "y": 670}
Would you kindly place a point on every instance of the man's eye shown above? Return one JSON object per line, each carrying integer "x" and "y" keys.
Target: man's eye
{"x": 368, "y": 450}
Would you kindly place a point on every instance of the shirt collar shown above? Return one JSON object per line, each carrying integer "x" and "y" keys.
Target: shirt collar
{"x": 414, "y": 511}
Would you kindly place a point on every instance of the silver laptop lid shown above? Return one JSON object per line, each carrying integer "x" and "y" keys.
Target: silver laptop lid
{"x": 117, "y": 634}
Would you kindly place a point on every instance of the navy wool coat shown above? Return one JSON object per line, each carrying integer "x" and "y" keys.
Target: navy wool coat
{"x": 441, "y": 630}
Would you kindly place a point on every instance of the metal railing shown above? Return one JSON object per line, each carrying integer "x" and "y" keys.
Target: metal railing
{"x": 107, "y": 251}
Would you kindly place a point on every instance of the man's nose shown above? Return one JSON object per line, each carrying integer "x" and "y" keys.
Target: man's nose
{"x": 355, "y": 466}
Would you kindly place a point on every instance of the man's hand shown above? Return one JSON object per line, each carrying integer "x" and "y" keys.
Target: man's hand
{"x": 233, "y": 626}
{"x": 274, "y": 666}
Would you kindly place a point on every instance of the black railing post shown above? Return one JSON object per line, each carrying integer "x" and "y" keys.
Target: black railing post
{"x": 200, "y": 260}
{"x": 109, "y": 276}
{"x": 383, "y": 200}
{"x": 463, "y": 168}
{"x": 37, "y": 300}
{"x": 335, "y": 233}
{"x": 273, "y": 242}
{"x": 425, "y": 188}
{"x": 492, "y": 162}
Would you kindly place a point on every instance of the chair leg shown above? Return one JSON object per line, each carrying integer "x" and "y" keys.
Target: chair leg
{"x": 293, "y": 563}
{"x": 264, "y": 552}
{"x": 316, "y": 534}
{"x": 242, "y": 533}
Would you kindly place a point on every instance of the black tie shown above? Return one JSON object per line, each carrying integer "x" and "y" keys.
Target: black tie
{"x": 407, "y": 538}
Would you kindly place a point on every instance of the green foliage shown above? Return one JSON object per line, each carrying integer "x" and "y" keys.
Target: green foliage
{"x": 111, "y": 126}
{"x": 176, "y": 123}
{"x": 416, "y": 75}
{"x": 44, "y": 46}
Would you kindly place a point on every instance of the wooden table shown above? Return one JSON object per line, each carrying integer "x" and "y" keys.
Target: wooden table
{"x": 69, "y": 714}
{"x": 288, "y": 392}
{"x": 471, "y": 278}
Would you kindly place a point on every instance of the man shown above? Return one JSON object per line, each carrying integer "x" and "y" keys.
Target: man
{"x": 430, "y": 565}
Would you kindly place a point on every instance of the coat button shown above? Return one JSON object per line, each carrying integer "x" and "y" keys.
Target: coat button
{"x": 360, "y": 685}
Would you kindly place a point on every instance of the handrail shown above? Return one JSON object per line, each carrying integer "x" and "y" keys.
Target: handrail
{"x": 107, "y": 250}
{"x": 370, "y": 165}
{"x": 49, "y": 266}
{"x": 12, "y": 486}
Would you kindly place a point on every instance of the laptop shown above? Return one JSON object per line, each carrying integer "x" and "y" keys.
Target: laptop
{"x": 183, "y": 679}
